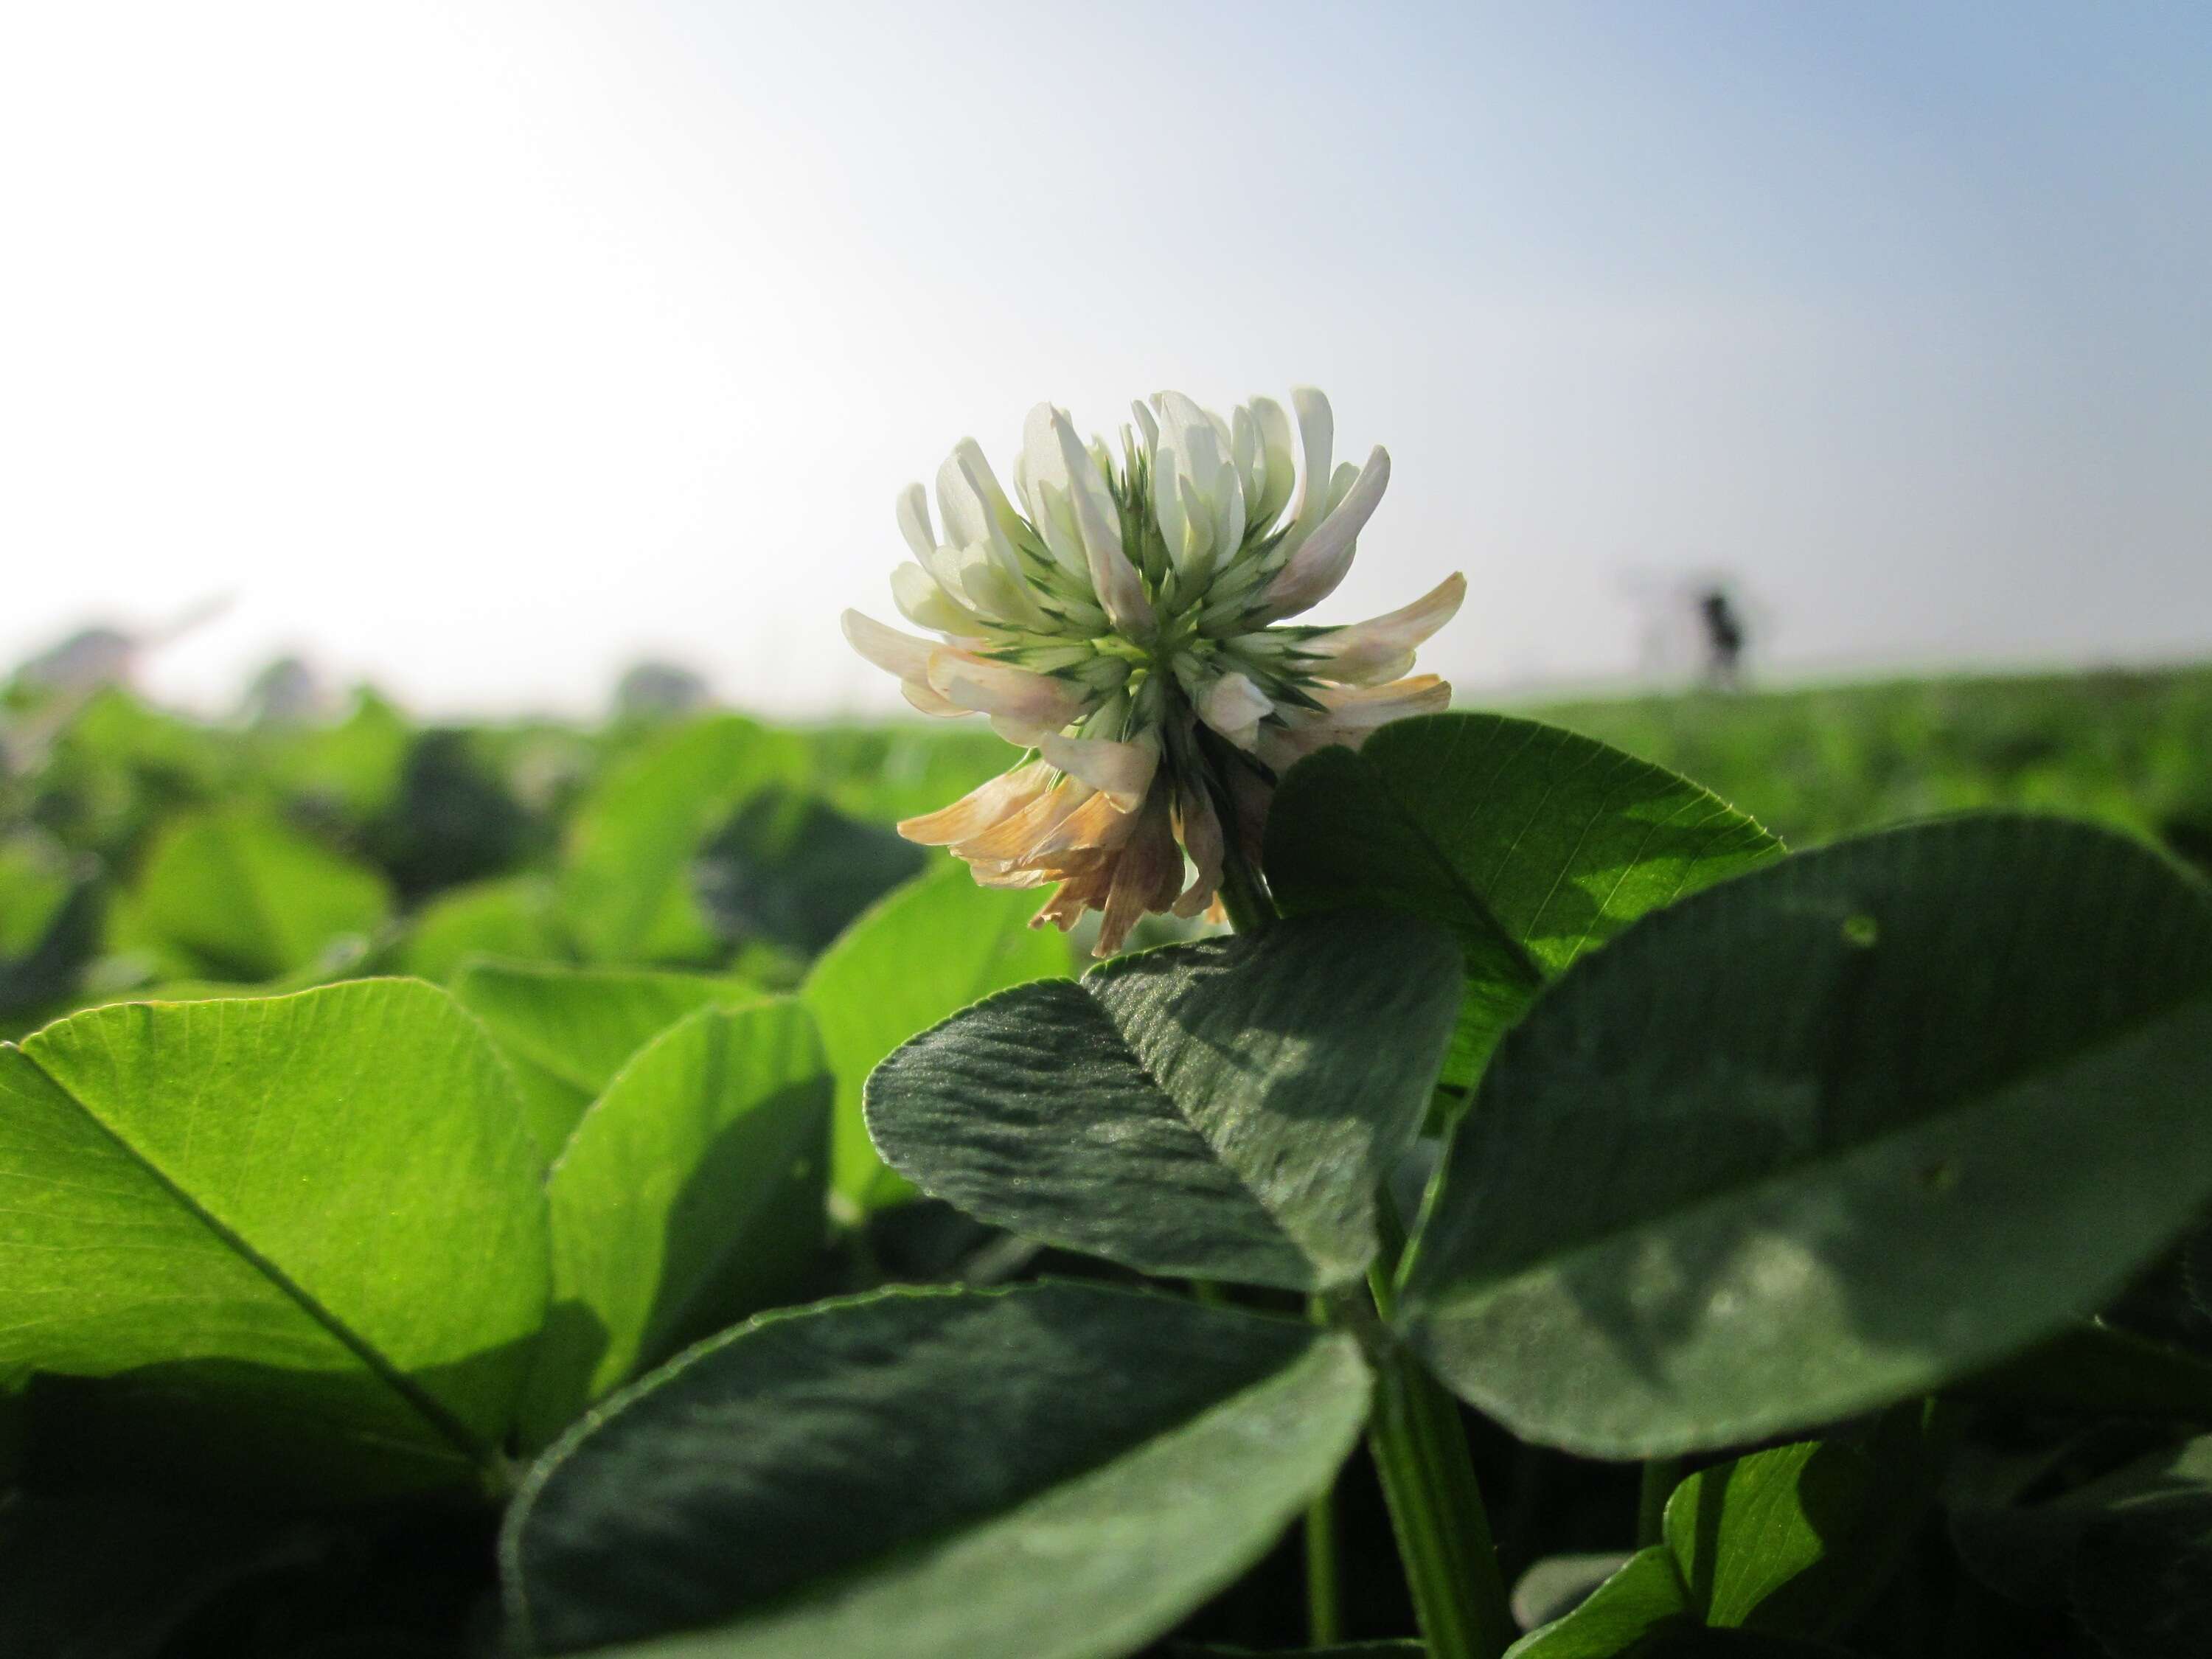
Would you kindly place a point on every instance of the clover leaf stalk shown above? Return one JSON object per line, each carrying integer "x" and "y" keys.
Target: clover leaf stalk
{"x": 1415, "y": 1435}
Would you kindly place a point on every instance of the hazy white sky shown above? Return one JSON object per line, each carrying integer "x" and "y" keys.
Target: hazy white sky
{"x": 481, "y": 345}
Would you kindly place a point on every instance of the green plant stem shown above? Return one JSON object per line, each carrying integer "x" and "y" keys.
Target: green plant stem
{"x": 1415, "y": 1435}
{"x": 1660, "y": 1476}
{"x": 1244, "y": 896}
{"x": 1324, "y": 1615}
{"x": 1324, "y": 1623}
{"x": 1420, "y": 1451}
{"x": 1244, "y": 893}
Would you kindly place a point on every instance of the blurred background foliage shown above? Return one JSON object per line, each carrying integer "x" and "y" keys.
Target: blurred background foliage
{"x": 144, "y": 852}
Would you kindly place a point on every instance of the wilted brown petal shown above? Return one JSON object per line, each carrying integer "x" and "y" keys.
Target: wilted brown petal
{"x": 975, "y": 811}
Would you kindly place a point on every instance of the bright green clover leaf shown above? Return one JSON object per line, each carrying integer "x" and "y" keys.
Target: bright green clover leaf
{"x": 1223, "y": 1109}
{"x": 929, "y": 949}
{"x": 626, "y": 886}
{"x": 690, "y": 1195}
{"x": 243, "y": 896}
{"x": 510, "y": 918}
{"x": 567, "y": 1031}
{"x": 355, "y": 766}
{"x": 313, "y": 1222}
{"x": 1646, "y": 1595}
{"x": 1056, "y": 1472}
{"x": 1828, "y": 1135}
{"x": 1532, "y": 844}
{"x": 1794, "y": 1540}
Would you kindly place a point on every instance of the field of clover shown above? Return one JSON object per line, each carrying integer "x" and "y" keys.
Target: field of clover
{"x": 519, "y": 1190}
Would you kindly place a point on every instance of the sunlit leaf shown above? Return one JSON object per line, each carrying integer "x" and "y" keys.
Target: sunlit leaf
{"x": 249, "y": 1216}
{"x": 690, "y": 1195}
{"x": 567, "y": 1031}
{"x": 250, "y": 898}
{"x": 627, "y": 886}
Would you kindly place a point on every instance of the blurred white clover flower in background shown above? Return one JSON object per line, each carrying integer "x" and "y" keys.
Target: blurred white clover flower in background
{"x": 1123, "y": 623}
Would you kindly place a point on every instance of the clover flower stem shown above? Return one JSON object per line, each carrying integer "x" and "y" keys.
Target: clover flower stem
{"x": 1244, "y": 896}
{"x": 1420, "y": 1451}
{"x": 1415, "y": 1435}
{"x": 1244, "y": 890}
{"x": 1660, "y": 1476}
{"x": 1324, "y": 1617}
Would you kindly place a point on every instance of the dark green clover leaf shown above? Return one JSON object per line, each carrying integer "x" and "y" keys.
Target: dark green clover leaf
{"x": 2141, "y": 1582}
{"x": 1223, "y": 1109}
{"x": 2023, "y": 1541}
{"x": 1828, "y": 1135}
{"x": 2093, "y": 1367}
{"x": 1056, "y": 1472}
{"x": 1533, "y": 844}
{"x": 113, "y": 1576}
{"x": 930, "y": 948}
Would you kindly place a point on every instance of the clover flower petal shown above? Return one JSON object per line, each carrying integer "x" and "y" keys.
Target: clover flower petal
{"x": 1122, "y": 621}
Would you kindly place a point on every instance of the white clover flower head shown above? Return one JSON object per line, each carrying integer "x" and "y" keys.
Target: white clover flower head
{"x": 1123, "y": 623}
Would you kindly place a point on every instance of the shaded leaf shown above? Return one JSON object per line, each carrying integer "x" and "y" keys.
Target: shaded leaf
{"x": 2100, "y": 1368}
{"x": 2023, "y": 1544}
{"x": 1225, "y": 1110}
{"x": 2196, "y": 1269}
{"x": 50, "y": 922}
{"x": 454, "y": 820}
{"x": 1831, "y": 1134}
{"x": 2141, "y": 1582}
{"x": 113, "y": 1577}
{"x": 791, "y": 869}
{"x": 1056, "y": 1472}
{"x": 1533, "y": 844}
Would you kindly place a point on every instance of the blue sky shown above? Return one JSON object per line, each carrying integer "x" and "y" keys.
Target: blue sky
{"x": 480, "y": 348}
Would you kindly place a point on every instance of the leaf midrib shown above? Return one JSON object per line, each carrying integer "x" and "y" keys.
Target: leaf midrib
{"x": 1532, "y": 975}
{"x": 420, "y": 1400}
{"x": 1329, "y": 1279}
